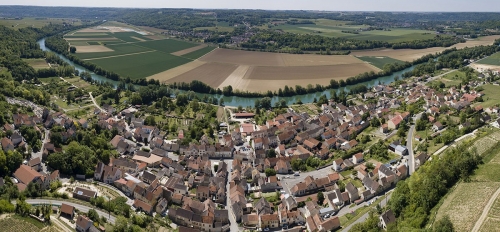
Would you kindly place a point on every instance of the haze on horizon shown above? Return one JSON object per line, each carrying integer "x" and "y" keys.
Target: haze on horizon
{"x": 323, "y": 5}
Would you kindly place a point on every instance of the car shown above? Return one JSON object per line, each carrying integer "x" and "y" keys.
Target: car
{"x": 296, "y": 174}
{"x": 266, "y": 229}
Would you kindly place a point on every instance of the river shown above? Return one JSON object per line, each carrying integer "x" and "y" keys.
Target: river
{"x": 244, "y": 101}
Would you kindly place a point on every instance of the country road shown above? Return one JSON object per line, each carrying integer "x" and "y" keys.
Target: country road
{"x": 95, "y": 103}
{"x": 82, "y": 208}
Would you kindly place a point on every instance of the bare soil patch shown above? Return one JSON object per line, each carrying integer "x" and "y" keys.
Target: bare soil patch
{"x": 309, "y": 72}
{"x": 133, "y": 37}
{"x": 154, "y": 37}
{"x": 317, "y": 60}
{"x": 171, "y": 73}
{"x": 91, "y": 39}
{"x": 189, "y": 50}
{"x": 484, "y": 67}
{"x": 92, "y": 48}
{"x": 152, "y": 29}
{"x": 93, "y": 30}
{"x": 239, "y": 57}
{"x": 237, "y": 78}
{"x": 212, "y": 74}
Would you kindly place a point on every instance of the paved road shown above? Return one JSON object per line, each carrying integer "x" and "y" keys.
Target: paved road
{"x": 82, "y": 208}
{"x": 486, "y": 209}
{"x": 96, "y": 105}
{"x": 365, "y": 216}
{"x": 232, "y": 218}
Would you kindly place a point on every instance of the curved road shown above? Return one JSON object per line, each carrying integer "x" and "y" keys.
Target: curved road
{"x": 82, "y": 208}
{"x": 96, "y": 105}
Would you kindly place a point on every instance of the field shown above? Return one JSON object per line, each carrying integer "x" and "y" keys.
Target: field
{"x": 131, "y": 51}
{"x": 379, "y": 61}
{"x": 37, "y": 23}
{"x": 258, "y": 71}
{"x": 21, "y": 224}
{"x": 491, "y": 60}
{"x": 492, "y": 95}
{"x": 465, "y": 203}
{"x": 140, "y": 65}
{"x": 221, "y": 27}
{"x": 331, "y": 28}
{"x": 37, "y": 63}
{"x": 412, "y": 54}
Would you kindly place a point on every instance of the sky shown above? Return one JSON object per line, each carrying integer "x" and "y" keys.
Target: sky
{"x": 325, "y": 5}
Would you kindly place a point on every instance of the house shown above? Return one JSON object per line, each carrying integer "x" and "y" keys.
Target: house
{"x": 250, "y": 219}
{"x": 269, "y": 221}
{"x": 437, "y": 126}
{"x": 162, "y": 206}
{"x": 384, "y": 128}
{"x": 84, "y": 194}
{"x": 143, "y": 206}
{"x": 7, "y": 145}
{"x": 283, "y": 167}
{"x": 67, "y": 211}
{"x": 357, "y": 158}
{"x": 352, "y": 191}
{"x": 35, "y": 164}
{"x": 387, "y": 218}
{"x": 337, "y": 164}
{"x": 394, "y": 122}
{"x": 83, "y": 224}
{"x": 24, "y": 174}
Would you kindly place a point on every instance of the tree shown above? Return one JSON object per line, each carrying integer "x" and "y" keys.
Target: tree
{"x": 221, "y": 101}
{"x": 271, "y": 153}
{"x": 136, "y": 99}
{"x": 270, "y": 172}
{"x": 150, "y": 121}
{"x": 93, "y": 215}
{"x": 72, "y": 49}
{"x": 444, "y": 225}
{"x": 321, "y": 198}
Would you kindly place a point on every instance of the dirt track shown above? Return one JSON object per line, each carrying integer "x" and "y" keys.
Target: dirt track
{"x": 189, "y": 50}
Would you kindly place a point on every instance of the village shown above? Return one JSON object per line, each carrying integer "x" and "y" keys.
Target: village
{"x": 294, "y": 172}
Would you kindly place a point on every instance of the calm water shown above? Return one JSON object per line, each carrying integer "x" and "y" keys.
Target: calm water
{"x": 244, "y": 101}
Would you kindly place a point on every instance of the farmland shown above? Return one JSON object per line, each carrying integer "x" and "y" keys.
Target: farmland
{"x": 492, "y": 95}
{"x": 465, "y": 203}
{"x": 258, "y": 71}
{"x": 37, "y": 63}
{"x": 131, "y": 53}
{"x": 412, "y": 54}
{"x": 379, "y": 61}
{"x": 491, "y": 60}
{"x": 331, "y": 28}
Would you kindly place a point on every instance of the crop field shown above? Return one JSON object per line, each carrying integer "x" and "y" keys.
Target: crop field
{"x": 412, "y": 54}
{"x": 129, "y": 36}
{"x": 259, "y": 71}
{"x": 221, "y": 27}
{"x": 332, "y": 28}
{"x": 116, "y": 49}
{"x": 379, "y": 61}
{"x": 37, "y": 63}
{"x": 465, "y": 203}
{"x": 167, "y": 45}
{"x": 141, "y": 65}
{"x": 491, "y": 60}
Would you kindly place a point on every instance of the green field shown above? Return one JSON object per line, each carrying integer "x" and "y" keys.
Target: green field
{"x": 332, "y": 28}
{"x": 491, "y": 60}
{"x": 93, "y": 43}
{"x": 118, "y": 49}
{"x": 221, "y": 27}
{"x": 198, "y": 53}
{"x": 166, "y": 45}
{"x": 38, "y": 23}
{"x": 141, "y": 65}
{"x": 127, "y": 36}
{"x": 37, "y": 63}
{"x": 492, "y": 95}
{"x": 89, "y": 36}
{"x": 379, "y": 61}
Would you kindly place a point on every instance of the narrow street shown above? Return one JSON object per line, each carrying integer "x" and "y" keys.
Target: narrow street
{"x": 96, "y": 105}
{"x": 232, "y": 219}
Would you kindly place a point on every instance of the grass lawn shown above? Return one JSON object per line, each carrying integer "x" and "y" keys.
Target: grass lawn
{"x": 198, "y": 53}
{"x": 37, "y": 63}
{"x": 49, "y": 79}
{"x": 118, "y": 49}
{"x": 378, "y": 61}
{"x": 492, "y": 95}
{"x": 166, "y": 45}
{"x": 141, "y": 65}
{"x": 491, "y": 60}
